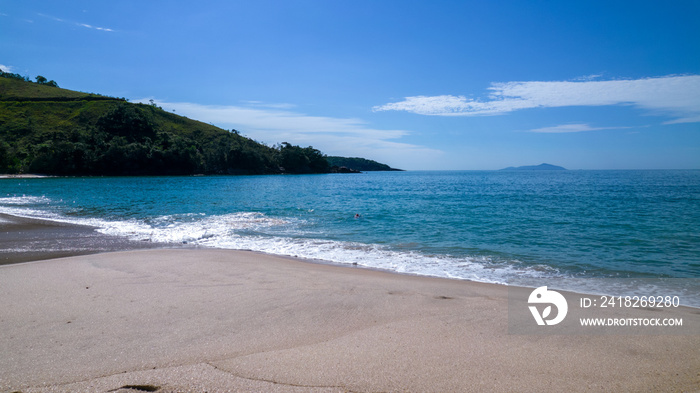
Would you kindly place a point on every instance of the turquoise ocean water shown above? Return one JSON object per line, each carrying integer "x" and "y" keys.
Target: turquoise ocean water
{"x": 490, "y": 226}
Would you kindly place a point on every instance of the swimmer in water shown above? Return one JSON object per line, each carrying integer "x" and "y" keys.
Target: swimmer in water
{"x": 357, "y": 215}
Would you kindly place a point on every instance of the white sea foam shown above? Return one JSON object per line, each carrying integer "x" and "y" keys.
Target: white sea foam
{"x": 258, "y": 232}
{"x": 190, "y": 228}
{"x": 250, "y": 231}
{"x": 377, "y": 256}
{"x": 24, "y": 200}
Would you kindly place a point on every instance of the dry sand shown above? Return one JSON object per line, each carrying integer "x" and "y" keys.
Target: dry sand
{"x": 220, "y": 320}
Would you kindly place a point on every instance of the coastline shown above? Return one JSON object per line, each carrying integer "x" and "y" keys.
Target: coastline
{"x": 219, "y": 320}
{"x": 24, "y": 176}
{"x": 30, "y": 239}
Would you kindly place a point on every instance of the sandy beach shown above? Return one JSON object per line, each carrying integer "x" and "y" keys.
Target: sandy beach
{"x": 210, "y": 320}
{"x": 22, "y": 176}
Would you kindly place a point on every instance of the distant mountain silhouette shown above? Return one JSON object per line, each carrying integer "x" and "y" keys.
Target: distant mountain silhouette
{"x": 541, "y": 167}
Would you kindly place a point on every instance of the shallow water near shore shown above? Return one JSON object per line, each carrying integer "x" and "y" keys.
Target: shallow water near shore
{"x": 490, "y": 226}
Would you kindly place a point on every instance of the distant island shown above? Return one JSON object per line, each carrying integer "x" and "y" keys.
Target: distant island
{"x": 53, "y": 131}
{"x": 541, "y": 167}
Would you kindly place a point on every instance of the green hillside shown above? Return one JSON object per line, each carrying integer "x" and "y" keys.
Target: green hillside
{"x": 359, "y": 164}
{"x": 49, "y": 130}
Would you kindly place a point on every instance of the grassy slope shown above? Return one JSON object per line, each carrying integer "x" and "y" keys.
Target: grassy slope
{"x": 57, "y": 109}
{"x": 52, "y": 130}
{"x": 13, "y": 89}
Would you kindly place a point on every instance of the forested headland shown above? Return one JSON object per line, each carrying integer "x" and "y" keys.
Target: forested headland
{"x": 48, "y": 130}
{"x": 359, "y": 164}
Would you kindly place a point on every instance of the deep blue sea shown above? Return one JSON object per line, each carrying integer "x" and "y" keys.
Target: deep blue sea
{"x": 490, "y": 226}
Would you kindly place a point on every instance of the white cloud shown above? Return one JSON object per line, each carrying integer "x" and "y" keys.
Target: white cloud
{"x": 271, "y": 119}
{"x": 76, "y": 23}
{"x": 567, "y": 128}
{"x": 94, "y": 27}
{"x": 51, "y": 17}
{"x": 333, "y": 136}
{"x": 5, "y": 68}
{"x": 676, "y": 96}
{"x": 588, "y": 77}
{"x": 261, "y": 104}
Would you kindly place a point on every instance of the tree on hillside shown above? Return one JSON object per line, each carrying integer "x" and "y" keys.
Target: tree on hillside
{"x": 317, "y": 160}
{"x": 43, "y": 81}
{"x": 10, "y": 75}
{"x": 6, "y": 158}
{"x": 295, "y": 159}
{"x": 128, "y": 121}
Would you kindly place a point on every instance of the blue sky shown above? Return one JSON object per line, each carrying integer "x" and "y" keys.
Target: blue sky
{"x": 415, "y": 84}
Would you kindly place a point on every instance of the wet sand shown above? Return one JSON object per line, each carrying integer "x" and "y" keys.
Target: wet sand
{"x": 26, "y": 239}
{"x": 185, "y": 320}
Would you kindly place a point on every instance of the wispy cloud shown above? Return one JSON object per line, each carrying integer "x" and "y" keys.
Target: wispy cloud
{"x": 261, "y": 104}
{"x": 85, "y": 25}
{"x": 588, "y": 78}
{"x": 567, "y": 128}
{"x": 94, "y": 27}
{"x": 677, "y": 96}
{"x": 274, "y": 123}
{"x": 5, "y": 68}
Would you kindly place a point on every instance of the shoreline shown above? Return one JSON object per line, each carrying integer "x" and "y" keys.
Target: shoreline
{"x": 24, "y": 176}
{"x": 196, "y": 319}
{"x": 27, "y": 239}
{"x": 28, "y": 232}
